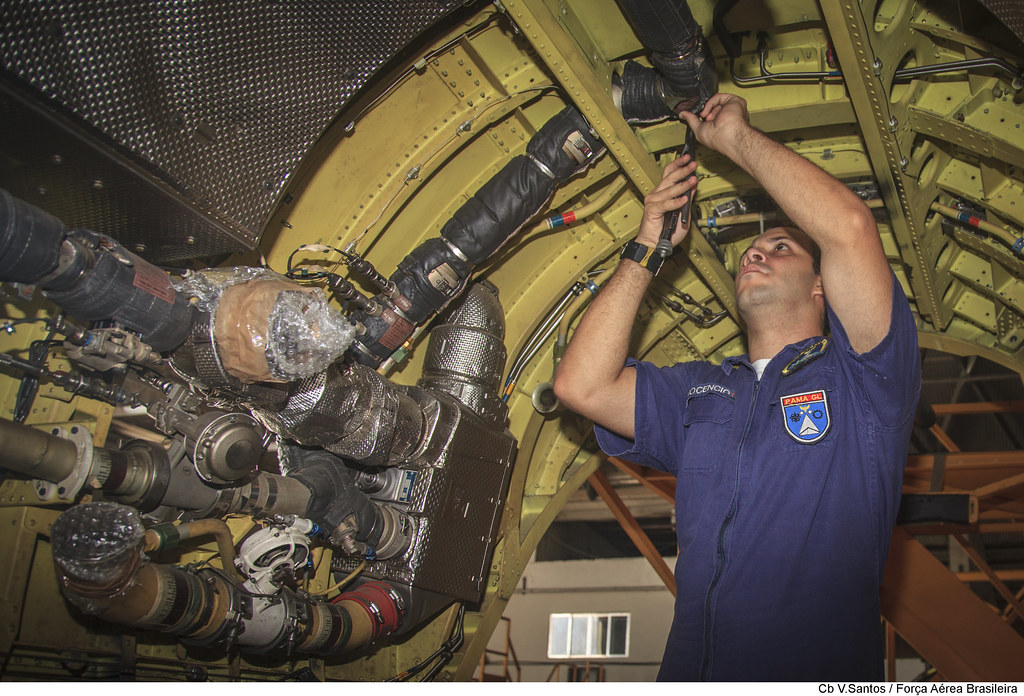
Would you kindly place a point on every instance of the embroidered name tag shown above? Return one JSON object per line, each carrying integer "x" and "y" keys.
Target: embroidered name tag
{"x": 711, "y": 389}
{"x": 806, "y": 416}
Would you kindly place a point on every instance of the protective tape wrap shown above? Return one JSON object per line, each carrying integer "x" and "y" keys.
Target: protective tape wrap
{"x": 268, "y": 328}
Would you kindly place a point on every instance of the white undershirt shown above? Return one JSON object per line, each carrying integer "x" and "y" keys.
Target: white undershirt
{"x": 759, "y": 366}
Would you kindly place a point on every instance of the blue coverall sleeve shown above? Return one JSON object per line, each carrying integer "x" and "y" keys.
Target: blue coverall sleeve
{"x": 889, "y": 375}
{"x": 657, "y": 418}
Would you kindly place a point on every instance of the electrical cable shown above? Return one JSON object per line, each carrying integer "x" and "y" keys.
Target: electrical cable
{"x": 419, "y": 65}
{"x": 38, "y": 353}
{"x": 348, "y": 578}
{"x": 443, "y": 654}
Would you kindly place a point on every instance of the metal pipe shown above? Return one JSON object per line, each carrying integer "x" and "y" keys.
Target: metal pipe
{"x": 35, "y": 453}
{"x": 168, "y": 536}
{"x": 98, "y": 552}
{"x": 1004, "y": 236}
{"x": 900, "y": 74}
{"x": 563, "y": 326}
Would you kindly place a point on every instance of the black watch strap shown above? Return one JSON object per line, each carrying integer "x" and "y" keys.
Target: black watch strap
{"x": 643, "y": 255}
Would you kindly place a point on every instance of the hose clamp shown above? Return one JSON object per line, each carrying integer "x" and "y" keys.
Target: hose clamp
{"x": 455, "y": 250}
{"x": 542, "y": 167}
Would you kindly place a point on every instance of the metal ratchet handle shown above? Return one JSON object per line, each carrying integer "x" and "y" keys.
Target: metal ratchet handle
{"x": 664, "y": 246}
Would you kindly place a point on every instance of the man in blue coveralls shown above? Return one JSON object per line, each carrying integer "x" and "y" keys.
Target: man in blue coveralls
{"x": 789, "y": 459}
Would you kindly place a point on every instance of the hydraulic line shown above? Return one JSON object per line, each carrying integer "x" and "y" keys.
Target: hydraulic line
{"x": 713, "y": 222}
{"x": 169, "y": 535}
{"x": 584, "y": 211}
{"x": 1008, "y": 238}
{"x": 538, "y": 338}
{"x": 74, "y": 382}
{"x": 900, "y": 74}
{"x": 563, "y": 326}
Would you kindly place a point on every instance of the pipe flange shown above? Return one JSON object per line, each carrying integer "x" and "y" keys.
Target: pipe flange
{"x": 273, "y": 623}
{"x": 227, "y": 448}
{"x": 147, "y": 496}
{"x": 543, "y": 398}
{"x": 69, "y": 488}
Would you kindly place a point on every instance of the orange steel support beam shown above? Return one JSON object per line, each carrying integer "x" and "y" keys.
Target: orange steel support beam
{"x": 943, "y": 437}
{"x": 983, "y": 527}
{"x": 664, "y": 488}
{"x": 945, "y": 622}
{"x": 978, "y": 407}
{"x": 1007, "y": 613}
{"x": 890, "y": 653}
{"x": 969, "y": 460}
{"x": 1000, "y": 586}
{"x": 978, "y": 576}
{"x": 604, "y": 489}
{"x": 998, "y": 486}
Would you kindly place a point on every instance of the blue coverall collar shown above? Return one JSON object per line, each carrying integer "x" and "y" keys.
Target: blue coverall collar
{"x": 797, "y": 355}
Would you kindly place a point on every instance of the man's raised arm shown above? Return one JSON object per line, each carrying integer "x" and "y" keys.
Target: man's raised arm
{"x": 591, "y": 378}
{"x": 854, "y": 270}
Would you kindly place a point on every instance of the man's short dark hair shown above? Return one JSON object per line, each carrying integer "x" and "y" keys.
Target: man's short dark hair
{"x": 808, "y": 245}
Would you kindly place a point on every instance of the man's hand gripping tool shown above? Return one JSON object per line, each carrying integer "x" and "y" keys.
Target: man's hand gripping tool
{"x": 664, "y": 246}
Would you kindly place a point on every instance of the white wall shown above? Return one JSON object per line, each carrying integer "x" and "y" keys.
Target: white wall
{"x": 606, "y": 585}
{"x": 599, "y": 586}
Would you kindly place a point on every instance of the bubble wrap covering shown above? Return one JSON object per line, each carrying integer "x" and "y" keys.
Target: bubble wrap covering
{"x": 100, "y": 545}
{"x": 302, "y": 334}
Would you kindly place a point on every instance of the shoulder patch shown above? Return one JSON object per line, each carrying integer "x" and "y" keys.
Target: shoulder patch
{"x": 806, "y": 356}
{"x": 806, "y": 416}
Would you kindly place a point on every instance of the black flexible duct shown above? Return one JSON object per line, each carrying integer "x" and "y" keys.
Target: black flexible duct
{"x": 335, "y": 502}
{"x": 89, "y": 275}
{"x": 729, "y": 42}
{"x": 437, "y": 270}
{"x": 684, "y": 77}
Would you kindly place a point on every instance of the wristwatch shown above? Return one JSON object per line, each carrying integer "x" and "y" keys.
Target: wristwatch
{"x": 643, "y": 255}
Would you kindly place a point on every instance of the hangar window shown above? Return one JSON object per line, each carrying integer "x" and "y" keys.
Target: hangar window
{"x": 588, "y": 635}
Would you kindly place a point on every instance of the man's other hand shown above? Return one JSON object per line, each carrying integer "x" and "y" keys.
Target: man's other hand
{"x": 725, "y": 118}
{"x": 675, "y": 189}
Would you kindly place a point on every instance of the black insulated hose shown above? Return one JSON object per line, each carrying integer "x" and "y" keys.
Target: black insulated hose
{"x": 436, "y": 271}
{"x": 89, "y": 275}
{"x": 684, "y": 77}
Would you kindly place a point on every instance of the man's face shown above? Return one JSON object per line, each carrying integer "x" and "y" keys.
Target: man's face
{"x": 777, "y": 271}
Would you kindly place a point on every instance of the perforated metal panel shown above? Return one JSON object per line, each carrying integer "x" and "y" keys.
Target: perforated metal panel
{"x": 1010, "y": 13}
{"x": 212, "y": 105}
